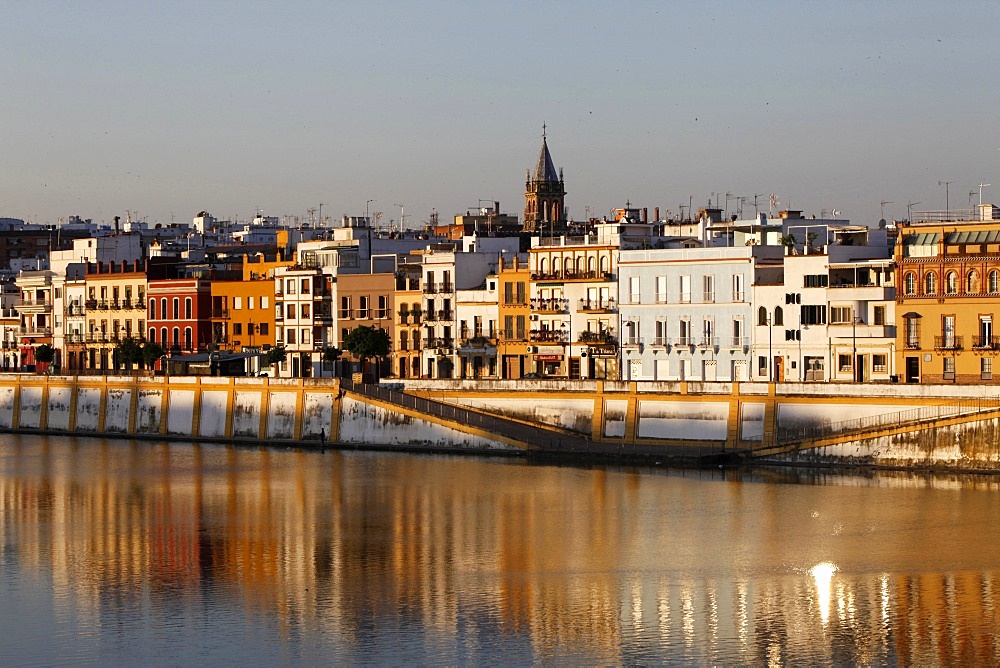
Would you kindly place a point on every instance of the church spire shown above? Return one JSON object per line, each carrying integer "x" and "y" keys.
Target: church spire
{"x": 544, "y": 192}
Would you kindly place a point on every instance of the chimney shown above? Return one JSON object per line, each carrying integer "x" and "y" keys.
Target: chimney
{"x": 656, "y": 213}
{"x": 645, "y": 214}
{"x": 117, "y": 218}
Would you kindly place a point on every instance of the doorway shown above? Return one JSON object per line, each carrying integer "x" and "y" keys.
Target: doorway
{"x": 912, "y": 369}
{"x": 779, "y": 369}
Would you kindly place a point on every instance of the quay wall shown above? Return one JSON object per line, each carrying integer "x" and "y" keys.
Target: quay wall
{"x": 623, "y": 416}
{"x": 247, "y": 410}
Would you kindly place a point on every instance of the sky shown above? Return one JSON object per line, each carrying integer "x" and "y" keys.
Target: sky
{"x": 164, "y": 109}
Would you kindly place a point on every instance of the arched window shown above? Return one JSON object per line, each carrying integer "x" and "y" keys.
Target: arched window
{"x": 951, "y": 283}
{"x": 187, "y": 338}
{"x": 177, "y": 337}
{"x": 177, "y": 308}
{"x": 152, "y": 335}
{"x": 910, "y": 283}
{"x": 568, "y": 265}
{"x": 779, "y": 316}
{"x": 994, "y": 281}
{"x": 163, "y": 310}
{"x": 152, "y": 309}
{"x": 762, "y": 316}
{"x": 605, "y": 268}
{"x": 591, "y": 266}
{"x": 930, "y": 283}
{"x": 972, "y": 283}
{"x": 163, "y": 337}
{"x": 187, "y": 308}
{"x": 580, "y": 264}
{"x": 543, "y": 266}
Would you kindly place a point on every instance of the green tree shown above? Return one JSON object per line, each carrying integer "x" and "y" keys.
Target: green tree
{"x": 366, "y": 343}
{"x": 151, "y": 352}
{"x": 129, "y": 352}
{"x": 332, "y": 354}
{"x": 275, "y": 356}
{"x": 44, "y": 354}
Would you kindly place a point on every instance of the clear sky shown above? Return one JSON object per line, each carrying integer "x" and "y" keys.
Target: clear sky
{"x": 168, "y": 108}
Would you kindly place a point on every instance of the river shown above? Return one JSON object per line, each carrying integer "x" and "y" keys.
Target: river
{"x": 127, "y": 552}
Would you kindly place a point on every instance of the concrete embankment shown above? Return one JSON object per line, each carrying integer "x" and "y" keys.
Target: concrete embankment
{"x": 806, "y": 423}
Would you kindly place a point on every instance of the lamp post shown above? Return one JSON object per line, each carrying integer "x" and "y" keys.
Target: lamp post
{"x": 770, "y": 354}
{"x": 855, "y": 321}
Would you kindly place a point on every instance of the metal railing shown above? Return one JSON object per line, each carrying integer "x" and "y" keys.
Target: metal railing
{"x": 898, "y": 418}
{"x": 545, "y": 439}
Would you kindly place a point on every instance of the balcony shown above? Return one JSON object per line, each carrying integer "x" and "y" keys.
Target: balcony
{"x": 597, "y": 306}
{"x": 34, "y": 331}
{"x": 708, "y": 342}
{"x": 33, "y": 305}
{"x": 438, "y": 288}
{"x": 587, "y": 336}
{"x": 912, "y": 343}
{"x": 478, "y": 343}
{"x": 739, "y": 341}
{"x": 445, "y": 315}
{"x": 980, "y": 342}
{"x": 632, "y": 342}
{"x": 220, "y": 313}
{"x": 553, "y": 305}
{"x": 948, "y": 342}
{"x": 547, "y": 335}
{"x": 75, "y": 309}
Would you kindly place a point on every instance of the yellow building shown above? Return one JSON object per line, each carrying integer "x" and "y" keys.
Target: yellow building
{"x": 948, "y": 297}
{"x": 115, "y": 309}
{"x": 407, "y": 300}
{"x": 514, "y": 314}
{"x": 243, "y": 311}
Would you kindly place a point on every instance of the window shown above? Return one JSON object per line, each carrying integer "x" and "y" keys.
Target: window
{"x": 949, "y": 368}
{"x": 634, "y": 296}
{"x": 879, "y": 315}
{"x": 290, "y": 286}
{"x": 188, "y": 308}
{"x": 816, "y": 280}
{"x": 508, "y": 293}
{"x": 305, "y": 285}
{"x": 779, "y": 316}
{"x": 737, "y": 287}
{"x": 289, "y": 336}
{"x": 237, "y": 303}
{"x": 304, "y": 336}
{"x": 951, "y": 283}
{"x": 708, "y": 332}
{"x": 685, "y": 296}
{"x": 761, "y": 316}
{"x": 793, "y": 298}
{"x": 930, "y": 283}
{"x": 880, "y": 363}
{"x": 176, "y": 342}
{"x": 708, "y": 283}
{"x": 304, "y": 309}
{"x": 187, "y": 338}
{"x": 986, "y": 368}
{"x": 840, "y": 315}
{"x": 844, "y": 363}
{"x": 812, "y": 315}
{"x": 994, "y": 281}
{"x": 250, "y": 302}
{"x": 263, "y": 302}
{"x": 177, "y": 308}
{"x": 263, "y": 328}
{"x": 163, "y": 309}
{"x": 661, "y": 290}
{"x": 910, "y": 284}
{"x": 912, "y": 333}
{"x": 152, "y": 309}
{"x": 737, "y": 332}
{"x": 793, "y": 335}
{"x": 237, "y": 328}
{"x": 761, "y": 365}
{"x": 290, "y": 311}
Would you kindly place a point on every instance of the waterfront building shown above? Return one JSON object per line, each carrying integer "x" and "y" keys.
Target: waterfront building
{"x": 35, "y": 310}
{"x": 407, "y": 298}
{"x": 243, "y": 311}
{"x": 686, "y": 311}
{"x": 179, "y": 309}
{"x": 366, "y": 300}
{"x": 830, "y": 316}
{"x": 477, "y": 313}
{"x": 948, "y": 276}
{"x": 73, "y": 329}
{"x": 515, "y": 313}
{"x": 583, "y": 271}
{"x": 10, "y": 324}
{"x": 303, "y": 318}
{"x": 114, "y": 309}
{"x": 448, "y": 268}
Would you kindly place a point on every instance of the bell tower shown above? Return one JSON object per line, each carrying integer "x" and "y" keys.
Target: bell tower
{"x": 544, "y": 195}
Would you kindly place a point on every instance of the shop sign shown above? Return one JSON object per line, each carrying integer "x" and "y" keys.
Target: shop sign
{"x": 603, "y": 351}
{"x": 548, "y": 358}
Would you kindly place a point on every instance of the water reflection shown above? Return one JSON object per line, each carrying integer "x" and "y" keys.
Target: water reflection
{"x": 156, "y": 550}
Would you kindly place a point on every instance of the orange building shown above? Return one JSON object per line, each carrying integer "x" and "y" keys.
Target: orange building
{"x": 514, "y": 313}
{"x": 243, "y": 311}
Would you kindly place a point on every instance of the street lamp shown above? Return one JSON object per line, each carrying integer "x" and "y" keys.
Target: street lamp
{"x": 770, "y": 353}
{"x": 855, "y": 321}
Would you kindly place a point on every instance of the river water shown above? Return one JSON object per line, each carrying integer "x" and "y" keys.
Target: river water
{"x": 122, "y": 552}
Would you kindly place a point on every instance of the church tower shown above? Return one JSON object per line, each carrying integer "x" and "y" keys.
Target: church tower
{"x": 544, "y": 196}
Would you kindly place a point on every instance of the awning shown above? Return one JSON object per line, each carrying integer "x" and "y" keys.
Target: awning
{"x": 912, "y": 314}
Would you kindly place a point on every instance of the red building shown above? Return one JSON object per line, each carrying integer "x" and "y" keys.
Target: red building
{"x": 179, "y": 314}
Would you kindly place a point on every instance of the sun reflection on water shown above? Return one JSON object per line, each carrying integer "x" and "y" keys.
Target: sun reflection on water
{"x": 822, "y": 573}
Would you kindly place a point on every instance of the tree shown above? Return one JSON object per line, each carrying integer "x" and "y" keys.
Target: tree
{"x": 789, "y": 241}
{"x": 275, "y": 356}
{"x": 367, "y": 342}
{"x": 151, "y": 352}
{"x": 44, "y": 354}
{"x": 332, "y": 354}
{"x": 129, "y": 352}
